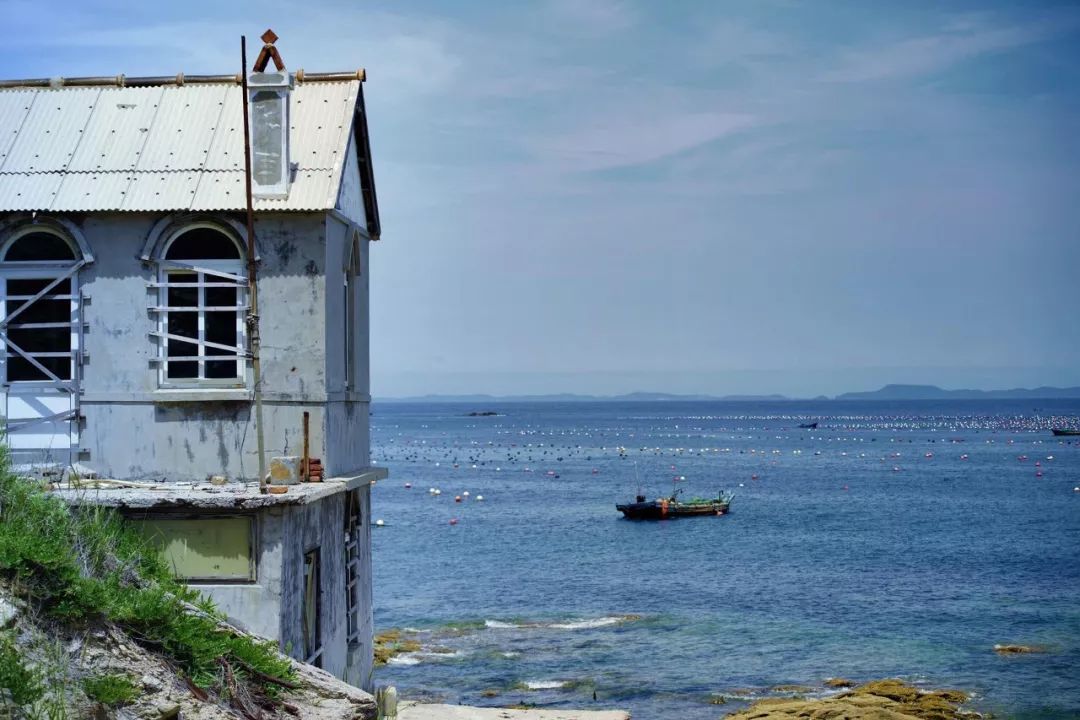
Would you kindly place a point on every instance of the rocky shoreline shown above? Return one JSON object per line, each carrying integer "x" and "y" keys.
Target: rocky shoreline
{"x": 877, "y": 700}
{"x": 834, "y": 698}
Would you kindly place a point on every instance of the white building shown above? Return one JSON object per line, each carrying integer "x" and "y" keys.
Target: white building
{"x": 123, "y": 298}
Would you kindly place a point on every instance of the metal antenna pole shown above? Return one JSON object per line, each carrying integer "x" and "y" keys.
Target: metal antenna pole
{"x": 252, "y": 268}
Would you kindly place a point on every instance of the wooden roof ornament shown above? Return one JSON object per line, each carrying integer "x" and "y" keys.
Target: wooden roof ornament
{"x": 268, "y": 53}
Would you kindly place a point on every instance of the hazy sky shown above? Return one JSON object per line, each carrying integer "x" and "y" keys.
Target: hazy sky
{"x": 607, "y": 195}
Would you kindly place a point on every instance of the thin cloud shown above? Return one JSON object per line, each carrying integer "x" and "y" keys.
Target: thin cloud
{"x": 591, "y": 18}
{"x": 623, "y": 142}
{"x": 963, "y": 39}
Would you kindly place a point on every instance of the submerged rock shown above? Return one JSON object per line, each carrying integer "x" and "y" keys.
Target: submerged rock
{"x": 391, "y": 643}
{"x": 877, "y": 700}
{"x": 838, "y": 682}
{"x": 1018, "y": 649}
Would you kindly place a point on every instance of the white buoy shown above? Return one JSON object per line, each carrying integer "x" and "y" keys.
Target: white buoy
{"x": 379, "y": 523}
{"x": 438, "y": 491}
{"x": 479, "y": 498}
{"x": 465, "y": 494}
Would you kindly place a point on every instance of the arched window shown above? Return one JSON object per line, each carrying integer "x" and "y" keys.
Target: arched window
{"x": 39, "y": 305}
{"x": 202, "y": 306}
{"x": 349, "y": 311}
{"x": 39, "y": 246}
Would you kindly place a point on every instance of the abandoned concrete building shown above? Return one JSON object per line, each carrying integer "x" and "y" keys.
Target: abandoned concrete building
{"x": 127, "y": 373}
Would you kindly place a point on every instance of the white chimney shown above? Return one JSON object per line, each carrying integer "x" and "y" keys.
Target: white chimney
{"x": 268, "y": 96}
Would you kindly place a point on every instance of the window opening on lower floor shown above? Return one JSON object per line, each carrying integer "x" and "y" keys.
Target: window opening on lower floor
{"x": 353, "y": 523}
{"x": 312, "y": 608}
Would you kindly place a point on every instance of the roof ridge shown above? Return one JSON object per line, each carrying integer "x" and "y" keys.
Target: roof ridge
{"x": 180, "y": 79}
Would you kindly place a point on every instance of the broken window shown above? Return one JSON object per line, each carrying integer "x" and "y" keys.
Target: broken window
{"x": 39, "y": 308}
{"x": 312, "y": 609}
{"x": 202, "y": 308}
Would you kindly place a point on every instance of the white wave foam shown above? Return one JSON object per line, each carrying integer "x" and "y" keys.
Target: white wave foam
{"x": 415, "y": 658}
{"x": 406, "y": 659}
{"x": 545, "y": 684}
{"x": 589, "y": 623}
{"x": 583, "y": 624}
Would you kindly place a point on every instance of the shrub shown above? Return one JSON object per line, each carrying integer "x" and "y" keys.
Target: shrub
{"x": 78, "y": 566}
{"x": 110, "y": 689}
{"x": 19, "y": 685}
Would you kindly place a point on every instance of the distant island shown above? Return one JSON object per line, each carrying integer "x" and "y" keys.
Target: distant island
{"x": 889, "y": 392}
{"x": 932, "y": 392}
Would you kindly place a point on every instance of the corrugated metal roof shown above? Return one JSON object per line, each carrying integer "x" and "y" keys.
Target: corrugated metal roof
{"x": 161, "y": 148}
{"x": 118, "y": 130}
{"x": 29, "y": 191}
{"x": 51, "y": 131}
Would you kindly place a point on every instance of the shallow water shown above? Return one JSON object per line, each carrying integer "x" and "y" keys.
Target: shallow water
{"x": 851, "y": 554}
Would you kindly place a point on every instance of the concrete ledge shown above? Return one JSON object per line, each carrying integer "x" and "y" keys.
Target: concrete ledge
{"x": 204, "y": 496}
{"x": 418, "y": 711}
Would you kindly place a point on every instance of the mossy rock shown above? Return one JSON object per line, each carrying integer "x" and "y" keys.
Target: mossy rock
{"x": 892, "y": 689}
{"x": 838, "y": 682}
{"x": 878, "y": 700}
{"x": 1018, "y": 649}
{"x": 389, "y": 644}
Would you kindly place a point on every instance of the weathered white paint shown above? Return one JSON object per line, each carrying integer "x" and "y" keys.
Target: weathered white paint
{"x": 133, "y": 429}
{"x": 350, "y": 199}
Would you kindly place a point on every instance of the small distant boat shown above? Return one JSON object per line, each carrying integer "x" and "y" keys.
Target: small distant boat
{"x": 808, "y": 426}
{"x": 1060, "y": 432}
{"x": 673, "y": 507}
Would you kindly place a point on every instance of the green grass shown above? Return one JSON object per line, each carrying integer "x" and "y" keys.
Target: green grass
{"x": 110, "y": 689}
{"x": 85, "y": 566}
{"x": 19, "y": 685}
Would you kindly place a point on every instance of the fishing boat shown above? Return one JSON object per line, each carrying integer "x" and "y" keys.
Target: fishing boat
{"x": 808, "y": 426}
{"x": 673, "y": 507}
{"x": 1060, "y": 432}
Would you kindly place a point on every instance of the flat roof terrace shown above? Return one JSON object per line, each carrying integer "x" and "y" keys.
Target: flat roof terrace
{"x": 124, "y": 495}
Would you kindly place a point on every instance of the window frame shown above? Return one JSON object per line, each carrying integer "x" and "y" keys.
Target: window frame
{"x": 311, "y": 635}
{"x": 56, "y": 272}
{"x": 349, "y": 314}
{"x": 207, "y": 274}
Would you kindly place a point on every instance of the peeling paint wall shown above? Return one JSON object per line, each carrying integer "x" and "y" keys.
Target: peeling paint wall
{"x": 306, "y": 527}
{"x": 132, "y": 429}
{"x": 188, "y": 435}
{"x": 361, "y": 658}
{"x": 351, "y": 196}
{"x": 272, "y": 606}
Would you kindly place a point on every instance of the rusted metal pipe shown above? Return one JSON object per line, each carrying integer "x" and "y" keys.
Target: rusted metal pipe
{"x": 307, "y": 447}
{"x": 253, "y": 287}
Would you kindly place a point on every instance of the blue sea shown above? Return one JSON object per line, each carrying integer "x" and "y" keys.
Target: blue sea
{"x": 900, "y": 539}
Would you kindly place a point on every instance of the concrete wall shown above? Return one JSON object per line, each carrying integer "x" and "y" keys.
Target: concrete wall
{"x": 348, "y": 408}
{"x": 190, "y": 434}
{"x": 319, "y": 525}
{"x": 272, "y": 606}
{"x": 133, "y": 429}
{"x": 258, "y": 606}
{"x": 351, "y": 197}
{"x": 361, "y": 659}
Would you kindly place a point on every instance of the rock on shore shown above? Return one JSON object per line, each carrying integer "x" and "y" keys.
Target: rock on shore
{"x": 878, "y": 700}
